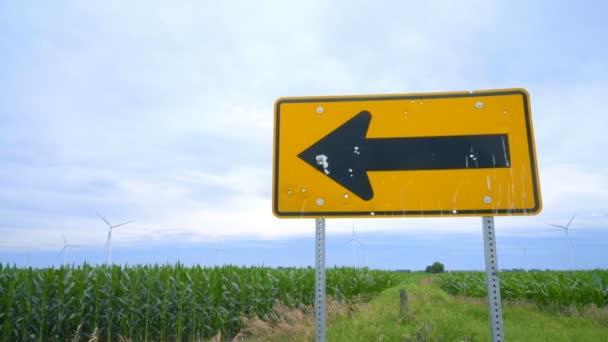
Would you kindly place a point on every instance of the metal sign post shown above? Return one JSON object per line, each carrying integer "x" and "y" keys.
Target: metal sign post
{"x": 320, "y": 305}
{"x": 489, "y": 243}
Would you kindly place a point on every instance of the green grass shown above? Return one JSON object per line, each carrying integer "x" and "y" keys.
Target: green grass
{"x": 435, "y": 315}
{"x": 159, "y": 303}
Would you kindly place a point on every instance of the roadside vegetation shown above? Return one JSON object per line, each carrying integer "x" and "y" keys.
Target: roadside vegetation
{"x": 435, "y": 315}
{"x": 432, "y": 314}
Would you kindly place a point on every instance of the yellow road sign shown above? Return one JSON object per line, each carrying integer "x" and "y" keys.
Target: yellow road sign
{"x": 433, "y": 154}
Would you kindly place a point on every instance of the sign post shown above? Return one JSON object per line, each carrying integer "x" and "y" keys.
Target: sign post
{"x": 320, "y": 303}
{"x": 493, "y": 283}
{"x": 432, "y": 154}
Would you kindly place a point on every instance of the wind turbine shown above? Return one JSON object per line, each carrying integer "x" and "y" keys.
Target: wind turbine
{"x": 566, "y": 229}
{"x": 219, "y": 251}
{"x": 65, "y": 248}
{"x": 525, "y": 251}
{"x": 109, "y": 240}
{"x": 354, "y": 241}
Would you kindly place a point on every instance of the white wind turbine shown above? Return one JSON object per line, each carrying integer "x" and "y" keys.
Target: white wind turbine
{"x": 65, "y": 248}
{"x": 109, "y": 240}
{"x": 566, "y": 229}
{"x": 354, "y": 241}
{"x": 219, "y": 250}
{"x": 525, "y": 250}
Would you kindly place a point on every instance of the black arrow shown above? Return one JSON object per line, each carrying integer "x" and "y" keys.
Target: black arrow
{"x": 345, "y": 155}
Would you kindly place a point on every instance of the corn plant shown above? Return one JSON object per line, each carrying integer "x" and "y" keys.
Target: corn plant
{"x": 578, "y": 288}
{"x": 160, "y": 302}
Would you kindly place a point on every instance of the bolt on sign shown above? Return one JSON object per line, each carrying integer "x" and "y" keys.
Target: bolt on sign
{"x": 431, "y": 154}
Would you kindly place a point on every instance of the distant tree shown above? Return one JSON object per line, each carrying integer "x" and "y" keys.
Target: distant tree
{"x": 436, "y": 267}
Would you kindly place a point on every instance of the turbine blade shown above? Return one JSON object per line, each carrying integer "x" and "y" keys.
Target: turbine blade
{"x": 557, "y": 225}
{"x": 104, "y": 220}
{"x": 65, "y": 241}
{"x": 572, "y": 219}
{"x": 122, "y": 224}
{"x": 61, "y": 251}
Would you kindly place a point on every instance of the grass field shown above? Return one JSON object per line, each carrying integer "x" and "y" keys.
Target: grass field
{"x": 434, "y": 315}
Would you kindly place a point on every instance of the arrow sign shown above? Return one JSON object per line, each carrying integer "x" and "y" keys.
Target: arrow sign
{"x": 346, "y": 155}
{"x": 466, "y": 153}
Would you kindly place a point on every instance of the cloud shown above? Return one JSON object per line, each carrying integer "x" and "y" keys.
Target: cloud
{"x": 570, "y": 188}
{"x": 163, "y": 113}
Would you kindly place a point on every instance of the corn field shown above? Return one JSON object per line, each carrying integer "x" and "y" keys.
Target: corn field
{"x": 562, "y": 289}
{"x": 159, "y": 303}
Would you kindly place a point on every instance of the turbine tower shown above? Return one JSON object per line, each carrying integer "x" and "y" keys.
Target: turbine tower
{"x": 109, "y": 240}
{"x": 566, "y": 229}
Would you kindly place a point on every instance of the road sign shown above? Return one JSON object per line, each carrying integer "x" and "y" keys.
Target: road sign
{"x": 434, "y": 154}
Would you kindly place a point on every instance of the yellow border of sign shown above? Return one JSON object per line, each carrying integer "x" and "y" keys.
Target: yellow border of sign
{"x": 415, "y": 96}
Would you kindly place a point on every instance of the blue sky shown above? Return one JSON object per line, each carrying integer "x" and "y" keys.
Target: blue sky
{"x": 162, "y": 113}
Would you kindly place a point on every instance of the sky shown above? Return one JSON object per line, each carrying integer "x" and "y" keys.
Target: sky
{"x": 162, "y": 113}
